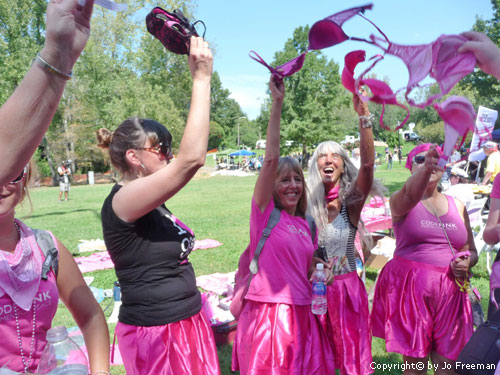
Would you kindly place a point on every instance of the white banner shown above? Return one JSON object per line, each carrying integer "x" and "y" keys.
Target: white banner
{"x": 485, "y": 122}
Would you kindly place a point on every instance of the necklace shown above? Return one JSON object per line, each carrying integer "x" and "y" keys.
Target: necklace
{"x": 18, "y": 331}
{"x": 16, "y": 316}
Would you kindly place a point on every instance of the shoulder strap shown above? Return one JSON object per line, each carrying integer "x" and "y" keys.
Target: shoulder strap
{"x": 46, "y": 243}
{"x": 312, "y": 226}
{"x": 274, "y": 218}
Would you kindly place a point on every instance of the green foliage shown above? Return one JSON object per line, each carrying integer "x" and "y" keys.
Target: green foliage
{"x": 41, "y": 164}
{"x": 433, "y": 133}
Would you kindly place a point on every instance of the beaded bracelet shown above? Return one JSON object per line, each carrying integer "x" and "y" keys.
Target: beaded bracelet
{"x": 366, "y": 121}
{"x": 101, "y": 372}
{"x": 44, "y": 64}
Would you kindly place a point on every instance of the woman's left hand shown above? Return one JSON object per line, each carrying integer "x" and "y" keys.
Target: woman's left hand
{"x": 460, "y": 266}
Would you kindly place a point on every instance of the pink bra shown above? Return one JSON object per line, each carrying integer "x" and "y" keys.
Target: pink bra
{"x": 324, "y": 33}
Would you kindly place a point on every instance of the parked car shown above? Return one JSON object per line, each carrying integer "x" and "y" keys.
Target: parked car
{"x": 410, "y": 136}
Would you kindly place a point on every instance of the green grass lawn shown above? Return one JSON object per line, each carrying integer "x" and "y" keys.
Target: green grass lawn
{"x": 214, "y": 207}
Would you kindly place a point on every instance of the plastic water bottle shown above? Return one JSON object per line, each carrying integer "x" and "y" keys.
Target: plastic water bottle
{"x": 318, "y": 303}
{"x": 62, "y": 356}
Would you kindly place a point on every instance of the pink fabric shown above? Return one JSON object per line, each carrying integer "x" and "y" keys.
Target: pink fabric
{"x": 494, "y": 281}
{"x": 279, "y": 339}
{"x": 184, "y": 347}
{"x": 418, "y": 308}
{"x": 95, "y": 262}
{"x": 102, "y": 261}
{"x": 420, "y": 238}
{"x": 20, "y": 271}
{"x": 417, "y": 150}
{"x": 495, "y": 191}
{"x": 284, "y": 260}
{"x": 46, "y": 300}
{"x": 332, "y": 194}
{"x": 439, "y": 60}
{"x": 218, "y": 283}
{"x": 348, "y": 324}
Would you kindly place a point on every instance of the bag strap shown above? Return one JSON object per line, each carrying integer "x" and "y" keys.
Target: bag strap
{"x": 312, "y": 226}
{"x": 274, "y": 218}
{"x": 46, "y": 243}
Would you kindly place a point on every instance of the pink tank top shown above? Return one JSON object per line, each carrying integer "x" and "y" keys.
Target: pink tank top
{"x": 45, "y": 303}
{"x": 495, "y": 191}
{"x": 284, "y": 260}
{"x": 419, "y": 237}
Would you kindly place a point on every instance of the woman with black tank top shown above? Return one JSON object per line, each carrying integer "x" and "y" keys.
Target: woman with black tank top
{"x": 161, "y": 329}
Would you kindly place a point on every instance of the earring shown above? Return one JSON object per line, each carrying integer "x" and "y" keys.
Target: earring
{"x": 145, "y": 171}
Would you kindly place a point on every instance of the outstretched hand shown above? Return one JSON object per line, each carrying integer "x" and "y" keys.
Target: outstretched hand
{"x": 360, "y": 106}
{"x": 277, "y": 87}
{"x": 431, "y": 160}
{"x": 486, "y": 52}
{"x": 67, "y": 32}
{"x": 200, "y": 59}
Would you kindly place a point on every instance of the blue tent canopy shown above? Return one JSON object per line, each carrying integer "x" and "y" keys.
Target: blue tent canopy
{"x": 242, "y": 153}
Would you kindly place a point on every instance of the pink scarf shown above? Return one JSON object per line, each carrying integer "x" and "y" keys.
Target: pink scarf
{"x": 332, "y": 194}
{"x": 20, "y": 271}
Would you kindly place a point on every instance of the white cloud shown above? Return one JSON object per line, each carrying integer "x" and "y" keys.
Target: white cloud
{"x": 248, "y": 90}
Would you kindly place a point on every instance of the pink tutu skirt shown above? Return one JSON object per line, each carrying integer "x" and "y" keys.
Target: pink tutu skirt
{"x": 348, "y": 325}
{"x": 280, "y": 339}
{"x": 184, "y": 347}
{"x": 418, "y": 309}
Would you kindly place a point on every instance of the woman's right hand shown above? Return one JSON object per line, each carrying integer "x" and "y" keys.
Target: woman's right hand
{"x": 277, "y": 87}
{"x": 486, "y": 52}
{"x": 200, "y": 59}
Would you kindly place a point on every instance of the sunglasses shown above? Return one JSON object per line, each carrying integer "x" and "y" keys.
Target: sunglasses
{"x": 160, "y": 148}
{"x": 419, "y": 159}
{"x": 21, "y": 176}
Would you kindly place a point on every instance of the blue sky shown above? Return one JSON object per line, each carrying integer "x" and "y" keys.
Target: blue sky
{"x": 235, "y": 27}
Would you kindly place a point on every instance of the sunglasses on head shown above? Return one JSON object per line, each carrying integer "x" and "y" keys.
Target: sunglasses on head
{"x": 419, "y": 159}
{"x": 21, "y": 176}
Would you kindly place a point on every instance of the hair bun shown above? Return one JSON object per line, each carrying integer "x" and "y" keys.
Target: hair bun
{"x": 104, "y": 137}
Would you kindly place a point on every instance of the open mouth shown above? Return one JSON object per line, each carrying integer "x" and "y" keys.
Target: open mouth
{"x": 328, "y": 170}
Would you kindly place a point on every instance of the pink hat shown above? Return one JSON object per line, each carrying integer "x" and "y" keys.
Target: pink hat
{"x": 417, "y": 150}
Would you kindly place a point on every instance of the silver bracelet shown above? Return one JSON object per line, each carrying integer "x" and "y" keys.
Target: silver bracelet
{"x": 44, "y": 64}
{"x": 366, "y": 121}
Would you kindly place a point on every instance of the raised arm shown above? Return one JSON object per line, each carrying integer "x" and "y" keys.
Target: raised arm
{"x": 364, "y": 181}
{"x": 413, "y": 190}
{"x": 87, "y": 313}
{"x": 26, "y": 115}
{"x": 158, "y": 187}
{"x": 486, "y": 52}
{"x": 264, "y": 187}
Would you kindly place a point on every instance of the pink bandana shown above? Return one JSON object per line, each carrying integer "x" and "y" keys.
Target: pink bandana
{"x": 332, "y": 194}
{"x": 417, "y": 150}
{"x": 20, "y": 272}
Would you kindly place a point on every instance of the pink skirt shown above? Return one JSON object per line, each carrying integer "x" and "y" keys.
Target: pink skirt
{"x": 184, "y": 347}
{"x": 418, "y": 309}
{"x": 348, "y": 325}
{"x": 280, "y": 339}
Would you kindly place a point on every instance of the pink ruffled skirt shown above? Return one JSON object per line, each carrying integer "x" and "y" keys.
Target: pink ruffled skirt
{"x": 279, "y": 339}
{"x": 348, "y": 325}
{"x": 418, "y": 309}
{"x": 184, "y": 347}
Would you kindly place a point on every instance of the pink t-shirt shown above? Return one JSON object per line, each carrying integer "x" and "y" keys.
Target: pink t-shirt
{"x": 495, "y": 191}
{"x": 284, "y": 260}
{"x": 46, "y": 300}
{"x": 420, "y": 237}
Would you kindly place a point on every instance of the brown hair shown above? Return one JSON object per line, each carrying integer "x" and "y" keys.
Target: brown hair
{"x": 287, "y": 164}
{"x": 131, "y": 134}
